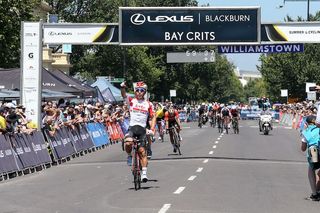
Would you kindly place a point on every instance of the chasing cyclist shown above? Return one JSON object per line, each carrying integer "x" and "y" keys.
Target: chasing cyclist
{"x": 160, "y": 111}
{"x": 172, "y": 120}
{"x": 140, "y": 112}
{"x": 201, "y": 110}
{"x": 225, "y": 114}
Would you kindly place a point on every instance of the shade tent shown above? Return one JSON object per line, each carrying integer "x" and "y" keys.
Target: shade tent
{"x": 10, "y": 79}
{"x": 46, "y": 94}
{"x": 103, "y": 84}
{"x": 87, "y": 90}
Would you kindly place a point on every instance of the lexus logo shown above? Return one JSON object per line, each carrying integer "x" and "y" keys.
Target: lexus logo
{"x": 137, "y": 19}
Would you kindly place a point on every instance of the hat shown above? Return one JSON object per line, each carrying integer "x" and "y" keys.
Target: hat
{"x": 10, "y": 105}
{"x": 311, "y": 119}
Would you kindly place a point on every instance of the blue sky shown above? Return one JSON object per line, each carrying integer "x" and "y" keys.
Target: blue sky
{"x": 270, "y": 13}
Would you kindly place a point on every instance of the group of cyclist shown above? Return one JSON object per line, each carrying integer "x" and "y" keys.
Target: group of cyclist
{"x": 221, "y": 115}
{"x": 146, "y": 116}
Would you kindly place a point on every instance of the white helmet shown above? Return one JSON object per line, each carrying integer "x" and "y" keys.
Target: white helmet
{"x": 222, "y": 105}
{"x": 203, "y": 104}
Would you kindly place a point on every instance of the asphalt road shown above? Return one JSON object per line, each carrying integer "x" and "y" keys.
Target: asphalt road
{"x": 249, "y": 172}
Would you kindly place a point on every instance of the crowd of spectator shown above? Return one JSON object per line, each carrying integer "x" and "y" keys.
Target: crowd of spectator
{"x": 55, "y": 114}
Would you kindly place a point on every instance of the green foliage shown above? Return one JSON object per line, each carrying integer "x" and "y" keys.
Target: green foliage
{"x": 11, "y": 15}
{"x": 255, "y": 88}
{"x": 196, "y": 81}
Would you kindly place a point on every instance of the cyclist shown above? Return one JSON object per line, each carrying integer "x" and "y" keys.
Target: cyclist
{"x": 201, "y": 111}
{"x": 235, "y": 115}
{"x": 140, "y": 111}
{"x": 225, "y": 114}
{"x": 172, "y": 119}
{"x": 160, "y": 110}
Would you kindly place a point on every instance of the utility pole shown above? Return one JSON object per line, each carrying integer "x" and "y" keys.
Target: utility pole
{"x": 308, "y": 10}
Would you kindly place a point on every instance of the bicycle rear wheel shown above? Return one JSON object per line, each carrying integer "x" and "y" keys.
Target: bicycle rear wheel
{"x": 176, "y": 142}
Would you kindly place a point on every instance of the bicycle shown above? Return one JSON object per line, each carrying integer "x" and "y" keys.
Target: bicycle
{"x": 225, "y": 124}
{"x": 220, "y": 124}
{"x": 136, "y": 165}
{"x": 235, "y": 125}
{"x": 176, "y": 141}
{"x": 160, "y": 127}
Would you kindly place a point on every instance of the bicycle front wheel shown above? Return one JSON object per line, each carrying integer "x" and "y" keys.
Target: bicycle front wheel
{"x": 176, "y": 142}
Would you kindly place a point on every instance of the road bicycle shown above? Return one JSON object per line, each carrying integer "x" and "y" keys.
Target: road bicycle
{"x": 225, "y": 124}
{"x": 220, "y": 124}
{"x": 176, "y": 141}
{"x": 136, "y": 164}
{"x": 235, "y": 125}
{"x": 160, "y": 127}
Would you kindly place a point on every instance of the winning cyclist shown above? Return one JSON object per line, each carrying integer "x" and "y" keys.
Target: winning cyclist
{"x": 172, "y": 119}
{"x": 140, "y": 111}
{"x": 235, "y": 114}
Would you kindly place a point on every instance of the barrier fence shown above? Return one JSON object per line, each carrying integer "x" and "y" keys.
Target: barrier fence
{"x": 21, "y": 151}
{"x": 295, "y": 121}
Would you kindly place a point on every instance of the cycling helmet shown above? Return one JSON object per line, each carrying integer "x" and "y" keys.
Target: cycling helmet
{"x": 222, "y": 105}
{"x": 203, "y": 104}
{"x": 141, "y": 84}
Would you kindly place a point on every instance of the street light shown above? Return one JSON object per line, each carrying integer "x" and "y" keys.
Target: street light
{"x": 308, "y": 6}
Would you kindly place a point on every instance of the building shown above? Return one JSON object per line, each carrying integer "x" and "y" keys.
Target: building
{"x": 52, "y": 61}
{"x": 245, "y": 75}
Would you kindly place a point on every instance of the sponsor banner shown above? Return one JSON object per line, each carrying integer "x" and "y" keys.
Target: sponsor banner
{"x": 189, "y": 25}
{"x": 306, "y": 32}
{"x": 9, "y": 162}
{"x": 98, "y": 134}
{"x": 76, "y": 33}
{"x": 263, "y": 48}
{"x": 31, "y": 69}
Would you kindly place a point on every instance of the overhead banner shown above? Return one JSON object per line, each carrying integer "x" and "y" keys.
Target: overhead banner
{"x": 189, "y": 25}
{"x": 78, "y": 33}
{"x": 31, "y": 46}
{"x": 263, "y": 48}
{"x": 305, "y": 32}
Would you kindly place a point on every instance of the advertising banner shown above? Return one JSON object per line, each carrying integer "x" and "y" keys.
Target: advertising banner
{"x": 98, "y": 134}
{"x": 263, "y": 48}
{"x": 31, "y": 46}
{"x": 85, "y": 136}
{"x": 8, "y": 160}
{"x": 305, "y": 32}
{"x": 284, "y": 93}
{"x": 189, "y": 25}
{"x": 77, "y": 33}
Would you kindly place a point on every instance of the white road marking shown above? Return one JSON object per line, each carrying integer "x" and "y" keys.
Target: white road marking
{"x": 206, "y": 161}
{"x": 214, "y": 147}
{"x": 211, "y": 153}
{"x": 286, "y": 127}
{"x": 222, "y": 134}
{"x": 192, "y": 177}
{"x": 216, "y": 142}
{"x": 165, "y": 208}
{"x": 179, "y": 190}
{"x": 199, "y": 169}
{"x": 218, "y": 138}
{"x": 186, "y": 127}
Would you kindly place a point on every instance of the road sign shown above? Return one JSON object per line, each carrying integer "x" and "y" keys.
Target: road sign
{"x": 191, "y": 57}
{"x": 189, "y": 25}
{"x": 263, "y": 48}
{"x": 173, "y": 93}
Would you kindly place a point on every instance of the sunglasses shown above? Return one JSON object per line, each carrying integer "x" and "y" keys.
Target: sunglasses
{"x": 140, "y": 90}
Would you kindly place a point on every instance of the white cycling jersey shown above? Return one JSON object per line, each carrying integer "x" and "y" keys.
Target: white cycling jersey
{"x": 140, "y": 110}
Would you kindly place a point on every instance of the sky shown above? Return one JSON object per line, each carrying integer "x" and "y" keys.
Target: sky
{"x": 271, "y": 12}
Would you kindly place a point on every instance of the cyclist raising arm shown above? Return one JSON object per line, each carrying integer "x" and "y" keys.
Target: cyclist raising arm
{"x": 140, "y": 110}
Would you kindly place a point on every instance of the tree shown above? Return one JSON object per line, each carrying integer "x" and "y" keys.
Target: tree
{"x": 11, "y": 15}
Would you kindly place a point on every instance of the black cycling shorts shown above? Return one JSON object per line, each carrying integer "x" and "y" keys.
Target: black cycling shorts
{"x": 173, "y": 123}
{"x": 138, "y": 132}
